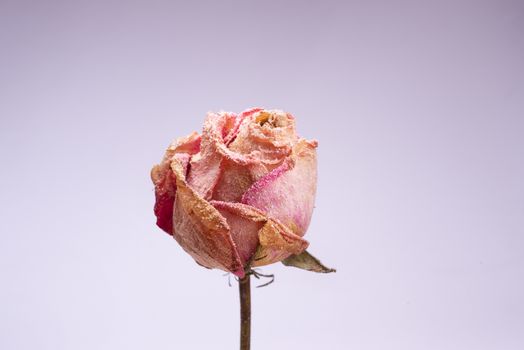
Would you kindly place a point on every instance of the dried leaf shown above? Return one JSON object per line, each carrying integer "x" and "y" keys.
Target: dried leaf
{"x": 306, "y": 261}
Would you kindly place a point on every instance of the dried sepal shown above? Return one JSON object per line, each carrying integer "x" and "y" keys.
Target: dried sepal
{"x": 306, "y": 261}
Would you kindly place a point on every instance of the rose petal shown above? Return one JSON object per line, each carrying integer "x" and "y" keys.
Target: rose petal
{"x": 207, "y": 166}
{"x": 288, "y": 192}
{"x": 164, "y": 180}
{"x": 233, "y": 131}
{"x": 221, "y": 173}
{"x": 236, "y": 179}
{"x": 277, "y": 242}
{"x": 243, "y": 225}
{"x": 259, "y": 238}
{"x": 165, "y": 191}
{"x": 205, "y": 172}
{"x": 267, "y": 134}
{"x": 271, "y": 145}
{"x": 189, "y": 144}
{"x": 201, "y": 230}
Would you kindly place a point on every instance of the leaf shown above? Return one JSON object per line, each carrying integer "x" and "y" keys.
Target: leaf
{"x": 306, "y": 261}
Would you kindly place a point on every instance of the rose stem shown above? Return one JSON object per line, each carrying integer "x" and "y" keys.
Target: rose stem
{"x": 244, "y": 288}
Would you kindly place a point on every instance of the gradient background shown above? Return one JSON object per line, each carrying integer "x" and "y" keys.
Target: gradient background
{"x": 418, "y": 108}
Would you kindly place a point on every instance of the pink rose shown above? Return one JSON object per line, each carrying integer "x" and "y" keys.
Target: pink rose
{"x": 241, "y": 194}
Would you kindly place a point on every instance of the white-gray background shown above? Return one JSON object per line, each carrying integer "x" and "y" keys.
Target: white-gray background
{"x": 418, "y": 108}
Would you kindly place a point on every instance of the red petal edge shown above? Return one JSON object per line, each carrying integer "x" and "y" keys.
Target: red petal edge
{"x": 164, "y": 211}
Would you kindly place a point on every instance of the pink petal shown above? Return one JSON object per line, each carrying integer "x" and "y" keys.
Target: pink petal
{"x": 165, "y": 191}
{"x": 164, "y": 180}
{"x": 232, "y": 133}
{"x": 208, "y": 165}
{"x": 201, "y": 230}
{"x": 243, "y": 227}
{"x": 288, "y": 192}
{"x": 260, "y": 240}
{"x": 267, "y": 135}
{"x": 236, "y": 179}
{"x": 205, "y": 172}
{"x": 225, "y": 173}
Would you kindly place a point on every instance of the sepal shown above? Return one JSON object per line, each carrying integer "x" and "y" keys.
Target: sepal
{"x": 306, "y": 261}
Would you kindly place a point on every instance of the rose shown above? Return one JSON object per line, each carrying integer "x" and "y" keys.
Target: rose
{"x": 241, "y": 194}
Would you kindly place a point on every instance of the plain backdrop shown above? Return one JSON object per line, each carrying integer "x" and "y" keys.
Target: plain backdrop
{"x": 418, "y": 107}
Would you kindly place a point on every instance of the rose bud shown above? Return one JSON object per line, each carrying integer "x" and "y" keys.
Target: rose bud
{"x": 241, "y": 194}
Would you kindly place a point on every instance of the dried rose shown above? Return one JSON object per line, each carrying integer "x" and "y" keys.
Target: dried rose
{"x": 241, "y": 194}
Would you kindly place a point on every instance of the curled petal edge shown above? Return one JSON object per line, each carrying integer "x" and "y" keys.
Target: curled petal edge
{"x": 276, "y": 241}
{"x": 213, "y": 246}
{"x": 214, "y": 136}
{"x": 287, "y": 193}
{"x": 207, "y": 166}
{"x": 164, "y": 180}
